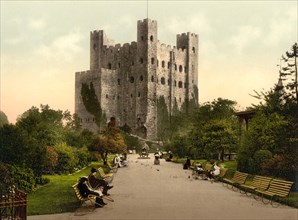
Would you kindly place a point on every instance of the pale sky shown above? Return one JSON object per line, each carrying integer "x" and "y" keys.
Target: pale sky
{"x": 43, "y": 44}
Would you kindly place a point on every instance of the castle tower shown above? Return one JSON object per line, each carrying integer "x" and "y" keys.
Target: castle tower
{"x": 147, "y": 58}
{"x": 189, "y": 42}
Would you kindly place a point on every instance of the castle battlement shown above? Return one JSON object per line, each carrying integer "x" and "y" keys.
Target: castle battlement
{"x": 146, "y": 20}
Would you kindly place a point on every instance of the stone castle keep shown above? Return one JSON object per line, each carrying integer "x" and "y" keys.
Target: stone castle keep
{"x": 129, "y": 79}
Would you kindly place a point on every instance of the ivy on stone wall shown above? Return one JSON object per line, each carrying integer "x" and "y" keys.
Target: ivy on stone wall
{"x": 91, "y": 103}
{"x": 168, "y": 124}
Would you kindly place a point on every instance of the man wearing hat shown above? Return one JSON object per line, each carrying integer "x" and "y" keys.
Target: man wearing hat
{"x": 95, "y": 182}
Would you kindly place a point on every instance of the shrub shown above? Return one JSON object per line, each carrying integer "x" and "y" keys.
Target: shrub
{"x": 51, "y": 160}
{"x": 260, "y": 157}
{"x": 83, "y": 157}
{"x": 42, "y": 180}
{"x": 66, "y": 158}
{"x": 22, "y": 178}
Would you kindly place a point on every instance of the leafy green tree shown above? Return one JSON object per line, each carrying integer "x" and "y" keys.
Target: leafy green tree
{"x": 14, "y": 145}
{"x": 110, "y": 140}
{"x": 3, "y": 119}
{"x": 290, "y": 71}
{"x": 219, "y": 136}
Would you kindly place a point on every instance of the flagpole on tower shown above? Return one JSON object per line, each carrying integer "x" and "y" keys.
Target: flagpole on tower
{"x": 147, "y": 9}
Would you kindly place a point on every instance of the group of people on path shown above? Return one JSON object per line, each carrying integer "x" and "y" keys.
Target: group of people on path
{"x": 210, "y": 173}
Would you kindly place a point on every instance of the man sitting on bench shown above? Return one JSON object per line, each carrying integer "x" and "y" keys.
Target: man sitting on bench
{"x": 95, "y": 182}
{"x": 85, "y": 191}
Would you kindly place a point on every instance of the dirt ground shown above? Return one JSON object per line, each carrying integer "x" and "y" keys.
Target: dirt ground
{"x": 146, "y": 191}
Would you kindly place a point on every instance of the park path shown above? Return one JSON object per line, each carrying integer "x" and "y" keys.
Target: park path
{"x": 146, "y": 191}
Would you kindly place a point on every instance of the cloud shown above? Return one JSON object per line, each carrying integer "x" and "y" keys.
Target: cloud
{"x": 244, "y": 37}
{"x": 63, "y": 47}
{"x": 197, "y": 23}
{"x": 37, "y": 24}
{"x": 281, "y": 28}
{"x": 14, "y": 40}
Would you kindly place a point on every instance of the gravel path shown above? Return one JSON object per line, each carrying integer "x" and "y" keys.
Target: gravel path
{"x": 146, "y": 191}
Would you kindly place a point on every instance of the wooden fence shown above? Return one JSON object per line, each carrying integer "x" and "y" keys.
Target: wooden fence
{"x": 13, "y": 205}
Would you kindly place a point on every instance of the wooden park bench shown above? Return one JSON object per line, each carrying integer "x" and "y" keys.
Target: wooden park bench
{"x": 258, "y": 183}
{"x": 113, "y": 169}
{"x": 90, "y": 198}
{"x": 106, "y": 176}
{"x": 238, "y": 179}
{"x": 277, "y": 189}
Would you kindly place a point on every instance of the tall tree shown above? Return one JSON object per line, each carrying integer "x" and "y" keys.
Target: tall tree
{"x": 3, "y": 119}
{"x": 290, "y": 71}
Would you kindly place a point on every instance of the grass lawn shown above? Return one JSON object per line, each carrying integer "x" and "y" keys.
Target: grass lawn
{"x": 56, "y": 196}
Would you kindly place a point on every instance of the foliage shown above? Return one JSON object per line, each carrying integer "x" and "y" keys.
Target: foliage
{"x": 91, "y": 103}
{"x": 51, "y": 160}
{"x": 212, "y": 130}
{"x": 6, "y": 178}
{"x": 83, "y": 157}
{"x": 289, "y": 72}
{"x": 66, "y": 158}
{"x": 3, "y": 119}
{"x": 14, "y": 147}
{"x": 219, "y": 136}
{"x": 132, "y": 143}
{"x": 110, "y": 140}
{"x": 14, "y": 176}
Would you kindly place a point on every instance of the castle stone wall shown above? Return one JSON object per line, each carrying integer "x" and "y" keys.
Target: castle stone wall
{"x": 130, "y": 78}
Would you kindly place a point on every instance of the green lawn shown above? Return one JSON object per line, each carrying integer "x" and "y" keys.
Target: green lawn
{"x": 56, "y": 196}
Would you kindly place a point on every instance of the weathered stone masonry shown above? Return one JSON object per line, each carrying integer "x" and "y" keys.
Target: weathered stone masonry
{"x": 129, "y": 79}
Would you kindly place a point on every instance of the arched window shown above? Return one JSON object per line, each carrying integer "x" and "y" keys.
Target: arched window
{"x": 119, "y": 65}
{"x": 162, "y": 80}
{"x": 163, "y": 64}
{"x": 193, "y": 49}
{"x": 152, "y": 78}
{"x": 141, "y": 60}
{"x": 152, "y": 60}
{"x": 175, "y": 66}
{"x": 109, "y": 66}
{"x": 141, "y": 78}
{"x": 175, "y": 83}
{"x": 118, "y": 81}
{"x": 180, "y": 84}
{"x": 180, "y": 68}
{"x": 131, "y": 79}
{"x": 157, "y": 63}
{"x": 107, "y": 96}
{"x": 142, "y": 37}
{"x": 151, "y": 38}
{"x": 139, "y": 94}
{"x": 132, "y": 63}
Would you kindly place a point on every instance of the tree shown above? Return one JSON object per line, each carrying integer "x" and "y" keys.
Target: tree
{"x": 3, "y": 119}
{"x": 290, "y": 71}
{"x": 219, "y": 137}
{"x": 110, "y": 140}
